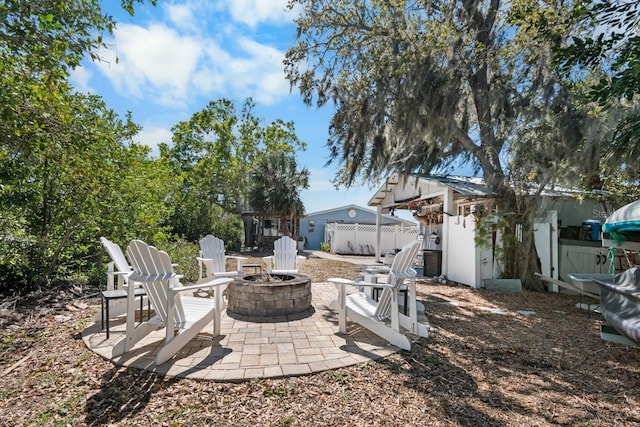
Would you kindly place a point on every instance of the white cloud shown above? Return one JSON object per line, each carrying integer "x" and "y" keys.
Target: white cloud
{"x": 272, "y": 87}
{"x": 198, "y": 54}
{"x": 152, "y": 136}
{"x": 79, "y": 78}
{"x": 254, "y": 12}
{"x": 155, "y": 58}
{"x": 181, "y": 15}
{"x": 171, "y": 68}
{"x": 252, "y": 70}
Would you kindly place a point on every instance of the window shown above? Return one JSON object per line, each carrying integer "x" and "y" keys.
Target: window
{"x": 312, "y": 226}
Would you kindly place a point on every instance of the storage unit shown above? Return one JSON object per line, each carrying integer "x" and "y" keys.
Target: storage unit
{"x": 584, "y": 257}
{"x": 432, "y": 262}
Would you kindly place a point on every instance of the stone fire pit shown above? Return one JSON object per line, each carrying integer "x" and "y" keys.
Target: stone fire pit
{"x": 264, "y": 295}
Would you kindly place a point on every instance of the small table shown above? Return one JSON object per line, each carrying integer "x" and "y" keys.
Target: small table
{"x": 257, "y": 268}
{"x": 107, "y": 296}
{"x": 372, "y": 273}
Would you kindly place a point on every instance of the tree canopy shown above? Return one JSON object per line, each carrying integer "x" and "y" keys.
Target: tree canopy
{"x": 70, "y": 171}
{"x": 275, "y": 187}
{"x": 605, "y": 46}
{"x": 215, "y": 153}
{"x": 421, "y": 85}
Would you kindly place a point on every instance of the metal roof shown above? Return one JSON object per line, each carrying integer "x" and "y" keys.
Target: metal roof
{"x": 466, "y": 186}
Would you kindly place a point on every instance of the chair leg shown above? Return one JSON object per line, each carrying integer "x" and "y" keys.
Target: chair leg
{"x": 107, "y": 311}
{"x": 406, "y": 301}
{"x": 141, "y": 309}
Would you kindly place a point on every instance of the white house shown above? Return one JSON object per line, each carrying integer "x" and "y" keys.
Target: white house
{"x": 351, "y": 230}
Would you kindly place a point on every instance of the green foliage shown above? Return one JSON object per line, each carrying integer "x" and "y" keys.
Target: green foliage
{"x": 596, "y": 51}
{"x": 60, "y": 152}
{"x": 182, "y": 253}
{"x": 420, "y": 86}
{"x": 70, "y": 173}
{"x": 615, "y": 51}
{"x": 276, "y": 185}
{"x": 279, "y": 392}
{"x": 214, "y": 154}
{"x": 59, "y": 182}
{"x": 228, "y": 227}
{"x": 325, "y": 247}
{"x": 15, "y": 243}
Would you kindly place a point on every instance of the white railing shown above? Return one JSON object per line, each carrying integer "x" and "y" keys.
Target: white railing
{"x": 360, "y": 239}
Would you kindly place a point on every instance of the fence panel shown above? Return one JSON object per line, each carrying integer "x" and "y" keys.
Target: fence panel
{"x": 360, "y": 239}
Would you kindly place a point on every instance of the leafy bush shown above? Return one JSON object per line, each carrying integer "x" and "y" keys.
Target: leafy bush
{"x": 15, "y": 246}
{"x": 183, "y": 254}
{"x": 228, "y": 227}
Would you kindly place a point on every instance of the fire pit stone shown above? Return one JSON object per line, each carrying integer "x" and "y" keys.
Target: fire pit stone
{"x": 264, "y": 296}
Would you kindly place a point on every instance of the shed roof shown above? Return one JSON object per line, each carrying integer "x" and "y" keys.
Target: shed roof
{"x": 410, "y": 188}
{"x": 466, "y": 186}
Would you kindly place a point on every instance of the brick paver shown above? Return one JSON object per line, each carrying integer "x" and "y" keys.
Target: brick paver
{"x": 247, "y": 350}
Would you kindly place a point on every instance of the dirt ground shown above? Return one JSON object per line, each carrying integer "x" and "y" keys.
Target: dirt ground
{"x": 492, "y": 359}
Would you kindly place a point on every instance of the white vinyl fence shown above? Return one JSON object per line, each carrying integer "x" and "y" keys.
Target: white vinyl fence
{"x": 360, "y": 239}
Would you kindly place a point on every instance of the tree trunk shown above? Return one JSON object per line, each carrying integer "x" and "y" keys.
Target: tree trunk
{"x": 520, "y": 258}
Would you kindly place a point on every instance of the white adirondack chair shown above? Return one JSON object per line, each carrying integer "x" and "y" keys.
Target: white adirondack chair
{"x": 383, "y": 317}
{"x": 285, "y": 258}
{"x": 118, "y": 270}
{"x": 213, "y": 258}
{"x": 174, "y": 309}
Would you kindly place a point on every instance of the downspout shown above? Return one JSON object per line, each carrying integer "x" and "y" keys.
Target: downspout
{"x": 378, "y": 231}
{"x": 447, "y": 202}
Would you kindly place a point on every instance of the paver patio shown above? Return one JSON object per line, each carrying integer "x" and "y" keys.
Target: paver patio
{"x": 247, "y": 349}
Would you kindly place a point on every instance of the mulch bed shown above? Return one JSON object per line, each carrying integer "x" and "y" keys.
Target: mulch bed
{"x": 493, "y": 359}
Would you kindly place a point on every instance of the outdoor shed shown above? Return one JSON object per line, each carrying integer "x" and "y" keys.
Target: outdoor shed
{"x": 447, "y": 209}
{"x": 313, "y": 227}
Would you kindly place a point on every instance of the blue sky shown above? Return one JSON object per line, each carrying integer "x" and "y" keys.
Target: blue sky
{"x": 174, "y": 58}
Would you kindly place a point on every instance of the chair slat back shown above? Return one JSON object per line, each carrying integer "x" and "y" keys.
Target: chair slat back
{"x": 401, "y": 269}
{"x": 285, "y": 252}
{"x": 212, "y": 247}
{"x": 115, "y": 252}
{"x": 154, "y": 270}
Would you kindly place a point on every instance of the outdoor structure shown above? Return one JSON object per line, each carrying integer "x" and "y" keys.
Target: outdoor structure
{"x": 338, "y": 226}
{"x": 263, "y": 231}
{"x": 448, "y": 209}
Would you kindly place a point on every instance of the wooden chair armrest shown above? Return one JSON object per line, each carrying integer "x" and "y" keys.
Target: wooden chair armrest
{"x": 207, "y": 284}
{"x": 119, "y": 273}
{"x": 357, "y": 283}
